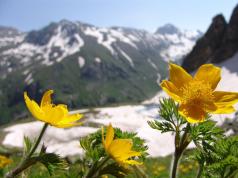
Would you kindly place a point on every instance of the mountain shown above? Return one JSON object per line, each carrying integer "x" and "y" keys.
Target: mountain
{"x": 85, "y": 65}
{"x": 219, "y": 43}
{"x": 176, "y": 43}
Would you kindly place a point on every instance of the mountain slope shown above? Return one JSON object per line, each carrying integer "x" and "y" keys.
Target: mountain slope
{"x": 86, "y": 65}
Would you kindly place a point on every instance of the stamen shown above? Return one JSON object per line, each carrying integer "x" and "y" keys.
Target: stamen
{"x": 197, "y": 93}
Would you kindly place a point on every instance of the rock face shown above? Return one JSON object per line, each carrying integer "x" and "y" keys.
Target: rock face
{"x": 219, "y": 43}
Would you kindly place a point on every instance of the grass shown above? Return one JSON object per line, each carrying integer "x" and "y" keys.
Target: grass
{"x": 153, "y": 168}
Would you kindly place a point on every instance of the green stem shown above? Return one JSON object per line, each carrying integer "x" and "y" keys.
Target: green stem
{"x": 180, "y": 146}
{"x": 27, "y": 162}
{"x": 38, "y": 140}
{"x": 94, "y": 169}
{"x": 141, "y": 172}
{"x": 177, "y": 156}
{"x": 199, "y": 173}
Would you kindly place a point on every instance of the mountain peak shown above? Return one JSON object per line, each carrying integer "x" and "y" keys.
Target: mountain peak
{"x": 167, "y": 29}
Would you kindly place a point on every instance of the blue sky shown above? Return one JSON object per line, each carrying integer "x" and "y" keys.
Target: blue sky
{"x": 144, "y": 14}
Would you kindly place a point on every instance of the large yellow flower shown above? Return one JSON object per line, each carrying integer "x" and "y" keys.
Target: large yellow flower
{"x": 4, "y": 161}
{"x": 55, "y": 115}
{"x": 119, "y": 149}
{"x": 196, "y": 94}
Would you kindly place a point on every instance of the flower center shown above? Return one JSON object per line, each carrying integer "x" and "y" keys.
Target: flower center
{"x": 197, "y": 93}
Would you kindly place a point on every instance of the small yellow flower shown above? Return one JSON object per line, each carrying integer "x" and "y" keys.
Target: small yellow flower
{"x": 196, "y": 94}
{"x": 4, "y": 161}
{"x": 55, "y": 115}
{"x": 104, "y": 176}
{"x": 119, "y": 149}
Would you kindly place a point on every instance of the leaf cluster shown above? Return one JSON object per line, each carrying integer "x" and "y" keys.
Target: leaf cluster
{"x": 171, "y": 120}
{"x": 51, "y": 161}
{"x": 222, "y": 160}
{"x": 95, "y": 153}
{"x": 92, "y": 144}
{"x": 205, "y": 134}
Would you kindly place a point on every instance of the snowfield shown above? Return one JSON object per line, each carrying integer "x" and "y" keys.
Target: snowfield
{"x": 128, "y": 118}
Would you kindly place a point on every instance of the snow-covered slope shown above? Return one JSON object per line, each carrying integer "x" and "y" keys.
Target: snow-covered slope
{"x": 57, "y": 41}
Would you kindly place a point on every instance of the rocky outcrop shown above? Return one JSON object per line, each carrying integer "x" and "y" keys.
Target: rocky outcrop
{"x": 219, "y": 43}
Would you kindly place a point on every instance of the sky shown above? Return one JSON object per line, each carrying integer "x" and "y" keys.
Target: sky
{"x": 27, "y": 15}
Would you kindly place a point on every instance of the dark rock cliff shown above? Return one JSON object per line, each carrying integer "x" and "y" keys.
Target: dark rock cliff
{"x": 219, "y": 43}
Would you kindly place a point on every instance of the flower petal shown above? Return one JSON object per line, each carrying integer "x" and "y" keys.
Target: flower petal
{"x": 33, "y": 107}
{"x": 170, "y": 89}
{"x": 209, "y": 73}
{"x": 178, "y": 76}
{"x": 70, "y": 119}
{"x": 53, "y": 114}
{"x": 66, "y": 125}
{"x": 46, "y": 99}
{"x": 109, "y": 136}
{"x": 133, "y": 162}
{"x": 226, "y": 98}
{"x": 120, "y": 147}
{"x": 223, "y": 109}
{"x": 192, "y": 114}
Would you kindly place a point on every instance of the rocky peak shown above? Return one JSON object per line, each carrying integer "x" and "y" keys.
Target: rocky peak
{"x": 206, "y": 45}
{"x": 219, "y": 43}
{"x": 232, "y": 31}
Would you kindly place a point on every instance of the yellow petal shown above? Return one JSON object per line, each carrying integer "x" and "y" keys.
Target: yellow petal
{"x": 209, "y": 73}
{"x": 226, "y": 98}
{"x": 170, "y": 89}
{"x": 70, "y": 120}
{"x": 120, "y": 148}
{"x": 34, "y": 108}
{"x": 192, "y": 114}
{"x": 178, "y": 76}
{"x": 53, "y": 114}
{"x": 133, "y": 162}
{"x": 66, "y": 125}
{"x": 209, "y": 106}
{"x": 109, "y": 137}
{"x": 222, "y": 109}
{"x": 46, "y": 99}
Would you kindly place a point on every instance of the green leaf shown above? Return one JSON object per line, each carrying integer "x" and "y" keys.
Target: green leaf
{"x": 28, "y": 144}
{"x": 170, "y": 119}
{"x": 52, "y": 162}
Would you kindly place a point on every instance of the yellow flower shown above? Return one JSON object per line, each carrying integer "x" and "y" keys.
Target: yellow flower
{"x": 119, "y": 149}
{"x": 196, "y": 94}
{"x": 4, "y": 161}
{"x": 55, "y": 115}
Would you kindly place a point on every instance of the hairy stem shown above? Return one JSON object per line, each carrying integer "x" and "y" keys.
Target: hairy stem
{"x": 180, "y": 146}
{"x": 95, "y": 168}
{"x": 199, "y": 173}
{"x": 27, "y": 162}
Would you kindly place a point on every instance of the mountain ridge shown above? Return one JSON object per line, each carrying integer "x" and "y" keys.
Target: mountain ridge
{"x": 86, "y": 65}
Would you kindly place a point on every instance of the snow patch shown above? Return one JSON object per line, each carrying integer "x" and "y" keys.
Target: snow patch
{"x": 127, "y": 57}
{"x": 81, "y": 61}
{"x": 152, "y": 64}
{"x": 97, "y": 59}
{"x": 29, "y": 79}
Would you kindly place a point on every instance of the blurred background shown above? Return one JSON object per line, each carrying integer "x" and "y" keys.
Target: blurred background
{"x": 106, "y": 59}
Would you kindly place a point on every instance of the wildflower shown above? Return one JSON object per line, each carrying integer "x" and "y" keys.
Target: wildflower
{"x": 4, "y": 161}
{"x": 55, "y": 115}
{"x": 196, "y": 94}
{"x": 119, "y": 149}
